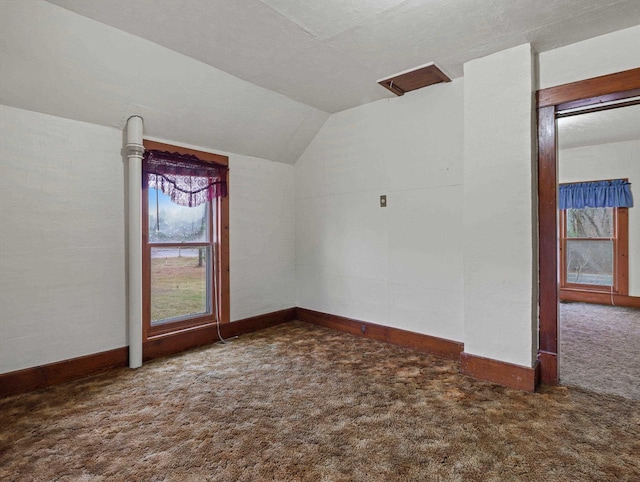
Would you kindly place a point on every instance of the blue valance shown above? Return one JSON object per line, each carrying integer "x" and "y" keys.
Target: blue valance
{"x": 597, "y": 194}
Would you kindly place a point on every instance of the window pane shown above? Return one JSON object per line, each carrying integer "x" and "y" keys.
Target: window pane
{"x": 171, "y": 223}
{"x": 180, "y": 283}
{"x": 590, "y": 223}
{"x": 590, "y": 262}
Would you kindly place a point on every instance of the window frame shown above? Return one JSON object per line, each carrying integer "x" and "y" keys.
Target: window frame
{"x": 620, "y": 256}
{"x": 218, "y": 232}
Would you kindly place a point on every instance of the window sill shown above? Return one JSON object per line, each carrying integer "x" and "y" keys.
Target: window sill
{"x": 169, "y": 329}
{"x": 600, "y": 298}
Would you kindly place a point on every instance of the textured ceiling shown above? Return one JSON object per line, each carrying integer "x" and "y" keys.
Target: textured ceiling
{"x": 329, "y": 53}
{"x": 257, "y": 77}
{"x": 57, "y": 62}
{"x": 615, "y": 125}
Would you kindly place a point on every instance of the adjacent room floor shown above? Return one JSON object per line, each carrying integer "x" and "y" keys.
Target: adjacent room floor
{"x": 600, "y": 348}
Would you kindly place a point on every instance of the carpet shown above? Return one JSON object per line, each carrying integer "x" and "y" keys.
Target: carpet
{"x": 600, "y": 348}
{"x": 299, "y": 402}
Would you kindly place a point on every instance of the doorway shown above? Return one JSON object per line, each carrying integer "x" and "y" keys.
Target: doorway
{"x": 599, "y": 240}
{"x": 600, "y": 93}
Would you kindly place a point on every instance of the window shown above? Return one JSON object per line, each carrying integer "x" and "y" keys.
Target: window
{"x": 593, "y": 249}
{"x": 185, "y": 243}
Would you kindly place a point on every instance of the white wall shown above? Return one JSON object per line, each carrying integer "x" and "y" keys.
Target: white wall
{"x": 499, "y": 266}
{"x": 348, "y": 259}
{"x": 606, "y": 54}
{"x": 609, "y": 161}
{"x": 262, "y": 241}
{"x": 400, "y": 266}
{"x": 261, "y": 233}
{"x": 62, "y": 238}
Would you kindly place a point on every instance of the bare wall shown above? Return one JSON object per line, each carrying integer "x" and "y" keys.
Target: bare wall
{"x": 597, "y": 56}
{"x": 62, "y": 238}
{"x": 499, "y": 215}
{"x": 401, "y": 265}
{"x": 62, "y": 241}
{"x": 262, "y": 242}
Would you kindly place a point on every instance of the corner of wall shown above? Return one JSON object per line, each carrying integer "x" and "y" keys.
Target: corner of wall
{"x": 499, "y": 208}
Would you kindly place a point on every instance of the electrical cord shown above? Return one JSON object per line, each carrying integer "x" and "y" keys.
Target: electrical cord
{"x": 215, "y": 291}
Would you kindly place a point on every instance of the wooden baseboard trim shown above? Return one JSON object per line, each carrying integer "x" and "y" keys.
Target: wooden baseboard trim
{"x": 259, "y": 322}
{"x": 599, "y": 298}
{"x": 42, "y": 376}
{"x": 502, "y": 373}
{"x": 408, "y": 339}
{"x": 548, "y": 367}
{"x": 507, "y": 374}
{"x": 172, "y": 343}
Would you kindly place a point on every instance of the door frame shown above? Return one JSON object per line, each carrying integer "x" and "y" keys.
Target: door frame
{"x": 589, "y": 96}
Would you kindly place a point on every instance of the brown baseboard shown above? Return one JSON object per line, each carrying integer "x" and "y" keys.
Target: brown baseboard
{"x": 548, "y": 367}
{"x": 42, "y": 376}
{"x": 29, "y": 379}
{"x": 507, "y": 374}
{"x": 599, "y": 298}
{"x": 408, "y": 339}
{"x": 259, "y": 322}
{"x": 502, "y": 373}
{"x": 172, "y": 343}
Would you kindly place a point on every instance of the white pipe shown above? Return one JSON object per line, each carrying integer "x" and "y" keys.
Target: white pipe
{"x": 135, "y": 150}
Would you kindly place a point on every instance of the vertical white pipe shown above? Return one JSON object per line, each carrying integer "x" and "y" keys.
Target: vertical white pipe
{"x": 135, "y": 150}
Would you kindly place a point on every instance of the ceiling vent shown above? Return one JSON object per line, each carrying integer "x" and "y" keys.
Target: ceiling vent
{"x": 413, "y": 79}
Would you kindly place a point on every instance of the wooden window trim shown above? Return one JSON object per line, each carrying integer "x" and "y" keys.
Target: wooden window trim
{"x": 221, "y": 269}
{"x": 620, "y": 255}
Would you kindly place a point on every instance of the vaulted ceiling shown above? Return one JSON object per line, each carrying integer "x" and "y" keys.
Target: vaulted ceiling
{"x": 329, "y": 53}
{"x": 258, "y": 77}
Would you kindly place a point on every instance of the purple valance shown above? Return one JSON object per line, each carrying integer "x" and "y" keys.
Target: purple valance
{"x": 187, "y": 180}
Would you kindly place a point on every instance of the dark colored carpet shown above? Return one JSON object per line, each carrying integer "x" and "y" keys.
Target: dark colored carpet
{"x": 600, "y": 348}
{"x": 299, "y": 402}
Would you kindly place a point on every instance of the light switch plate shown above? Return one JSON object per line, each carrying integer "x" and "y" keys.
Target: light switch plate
{"x": 383, "y": 201}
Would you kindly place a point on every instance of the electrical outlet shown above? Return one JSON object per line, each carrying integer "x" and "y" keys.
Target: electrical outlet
{"x": 383, "y": 201}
